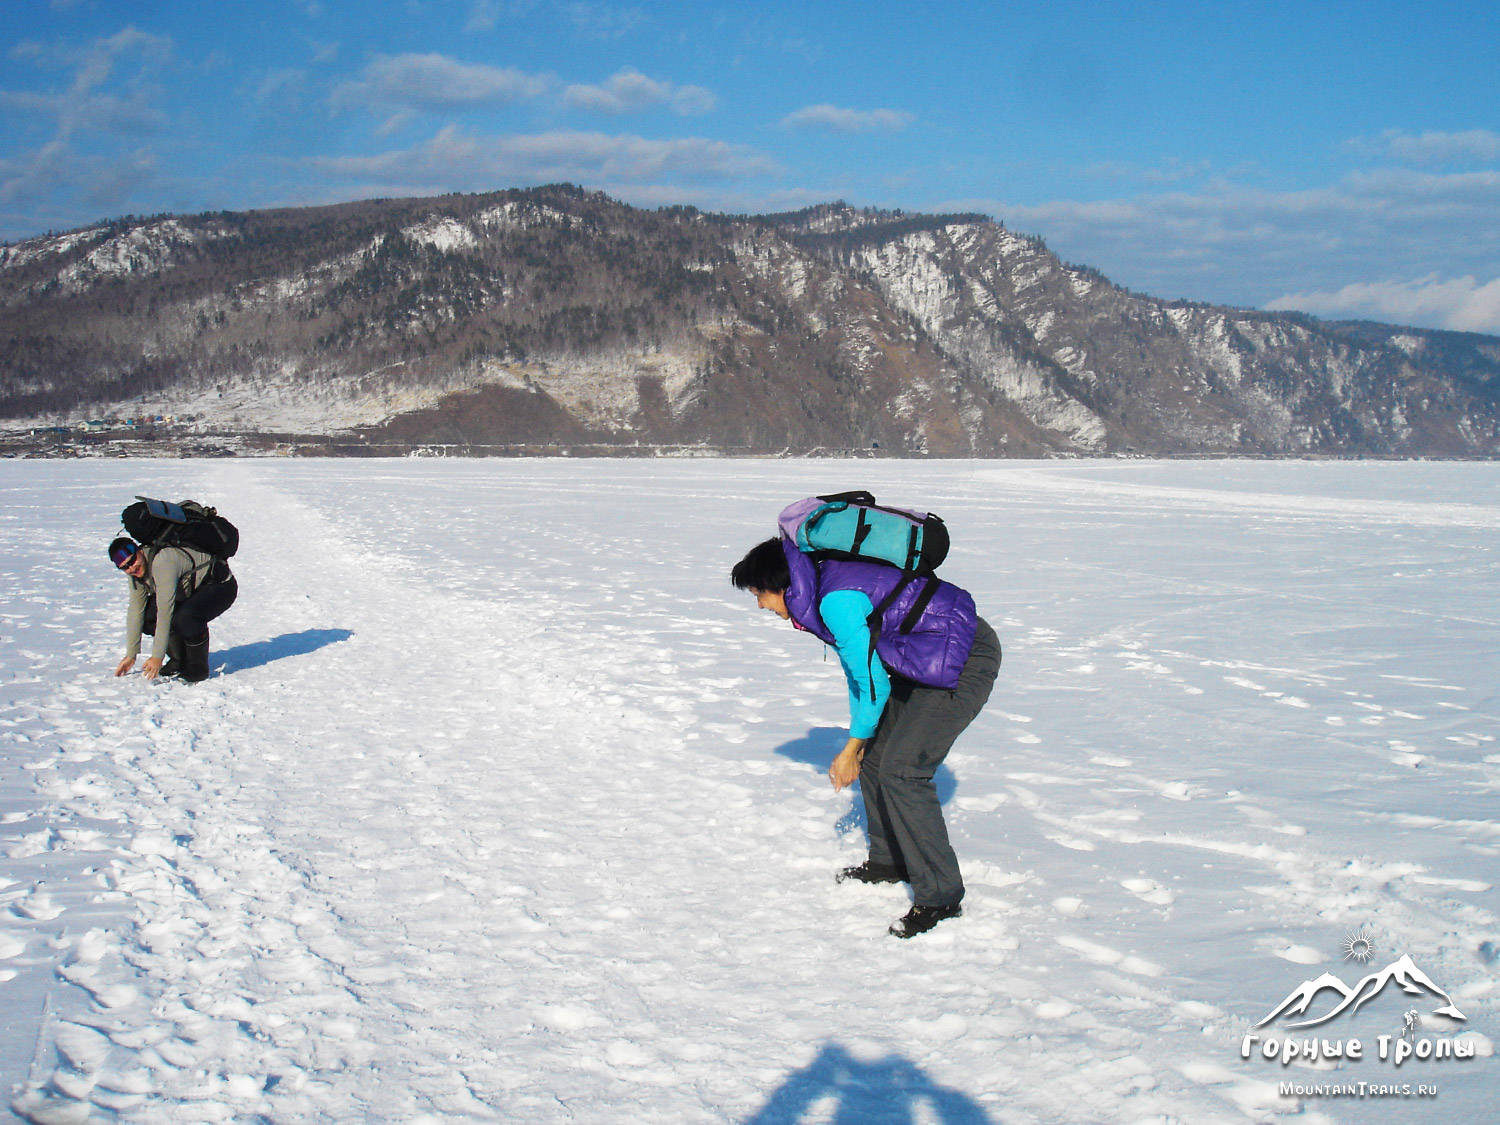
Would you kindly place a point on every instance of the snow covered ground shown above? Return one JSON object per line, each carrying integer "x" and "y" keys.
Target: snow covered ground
{"x": 504, "y": 805}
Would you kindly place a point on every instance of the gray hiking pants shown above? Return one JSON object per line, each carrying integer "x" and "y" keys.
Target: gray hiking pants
{"x": 916, "y": 731}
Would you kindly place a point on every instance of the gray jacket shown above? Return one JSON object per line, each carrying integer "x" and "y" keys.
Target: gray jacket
{"x": 173, "y": 574}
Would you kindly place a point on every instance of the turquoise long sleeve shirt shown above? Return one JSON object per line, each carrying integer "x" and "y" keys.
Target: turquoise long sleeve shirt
{"x": 847, "y": 615}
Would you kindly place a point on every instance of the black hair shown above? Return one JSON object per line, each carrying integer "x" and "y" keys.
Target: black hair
{"x": 763, "y": 569}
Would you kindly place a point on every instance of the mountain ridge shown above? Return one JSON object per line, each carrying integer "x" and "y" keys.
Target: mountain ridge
{"x": 557, "y": 316}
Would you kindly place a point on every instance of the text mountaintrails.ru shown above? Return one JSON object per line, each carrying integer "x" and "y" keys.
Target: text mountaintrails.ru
{"x": 1355, "y": 1090}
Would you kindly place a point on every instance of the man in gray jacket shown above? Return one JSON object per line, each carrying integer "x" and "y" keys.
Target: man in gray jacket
{"x": 174, "y": 593}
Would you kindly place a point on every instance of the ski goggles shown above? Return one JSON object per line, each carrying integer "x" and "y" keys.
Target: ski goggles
{"x": 122, "y": 556}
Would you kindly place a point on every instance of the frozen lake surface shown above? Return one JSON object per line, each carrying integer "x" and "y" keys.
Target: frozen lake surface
{"x": 503, "y": 805}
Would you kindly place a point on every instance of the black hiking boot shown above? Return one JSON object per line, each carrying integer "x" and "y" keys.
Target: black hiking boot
{"x": 920, "y": 919}
{"x": 195, "y": 660}
{"x": 173, "y": 666}
{"x": 870, "y": 872}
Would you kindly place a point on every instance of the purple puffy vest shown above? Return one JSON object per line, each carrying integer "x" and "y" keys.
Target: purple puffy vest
{"x": 932, "y": 653}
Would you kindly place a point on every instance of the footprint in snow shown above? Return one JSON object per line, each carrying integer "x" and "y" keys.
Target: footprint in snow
{"x": 1405, "y": 754}
{"x": 1053, "y": 1009}
{"x": 38, "y": 906}
{"x": 1301, "y": 955}
{"x": 1196, "y": 1010}
{"x": 1104, "y": 955}
{"x": 1175, "y": 790}
{"x": 83, "y": 1048}
{"x": 1268, "y": 820}
{"x": 1149, "y": 890}
{"x": 1474, "y": 886}
{"x": 984, "y": 804}
{"x": 106, "y": 995}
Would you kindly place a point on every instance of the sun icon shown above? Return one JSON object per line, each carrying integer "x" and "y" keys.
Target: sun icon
{"x": 1360, "y": 945}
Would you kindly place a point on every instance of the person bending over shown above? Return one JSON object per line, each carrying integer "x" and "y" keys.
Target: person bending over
{"x": 912, "y": 691}
{"x": 174, "y": 593}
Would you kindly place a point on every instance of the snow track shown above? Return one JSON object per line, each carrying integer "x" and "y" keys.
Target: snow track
{"x": 503, "y": 806}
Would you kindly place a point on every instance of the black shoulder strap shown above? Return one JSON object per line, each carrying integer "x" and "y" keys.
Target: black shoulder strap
{"x": 877, "y": 618}
{"x": 862, "y": 528}
{"x": 919, "y": 607}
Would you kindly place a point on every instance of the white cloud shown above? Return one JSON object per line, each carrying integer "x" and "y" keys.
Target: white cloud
{"x": 484, "y": 15}
{"x": 1171, "y": 172}
{"x": 91, "y": 163}
{"x": 721, "y": 199}
{"x": 281, "y": 85}
{"x": 1472, "y": 146}
{"x": 395, "y": 123}
{"x": 98, "y": 97}
{"x": 36, "y": 175}
{"x": 605, "y": 21}
{"x": 434, "y": 82}
{"x": 112, "y": 183}
{"x": 57, "y": 172}
{"x": 453, "y": 160}
{"x": 1459, "y": 303}
{"x": 835, "y": 119}
{"x": 630, "y": 91}
{"x": 1237, "y": 244}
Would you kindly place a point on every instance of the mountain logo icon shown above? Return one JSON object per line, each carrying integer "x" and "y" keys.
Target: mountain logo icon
{"x": 1402, "y": 972}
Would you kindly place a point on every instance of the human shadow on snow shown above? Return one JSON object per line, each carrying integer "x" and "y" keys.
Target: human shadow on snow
{"x": 253, "y": 655}
{"x": 885, "y": 1092}
{"x": 821, "y": 745}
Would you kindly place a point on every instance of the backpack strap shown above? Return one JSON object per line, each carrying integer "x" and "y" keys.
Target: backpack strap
{"x": 862, "y": 530}
{"x": 195, "y": 582}
{"x": 877, "y": 618}
{"x": 919, "y": 607}
{"x": 913, "y": 615}
{"x": 858, "y": 497}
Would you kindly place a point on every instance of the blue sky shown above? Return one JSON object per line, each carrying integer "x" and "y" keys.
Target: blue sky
{"x": 1342, "y": 158}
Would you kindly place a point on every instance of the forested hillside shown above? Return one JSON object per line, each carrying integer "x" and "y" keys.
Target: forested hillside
{"x": 559, "y": 316}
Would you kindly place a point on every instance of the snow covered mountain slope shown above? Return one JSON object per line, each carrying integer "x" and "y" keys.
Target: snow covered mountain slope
{"x": 556, "y": 316}
{"x": 504, "y": 805}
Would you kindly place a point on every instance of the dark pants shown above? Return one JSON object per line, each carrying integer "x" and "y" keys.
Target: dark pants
{"x": 190, "y": 619}
{"x": 918, "y": 728}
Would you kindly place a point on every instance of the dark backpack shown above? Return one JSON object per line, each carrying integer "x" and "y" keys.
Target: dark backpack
{"x": 157, "y": 523}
